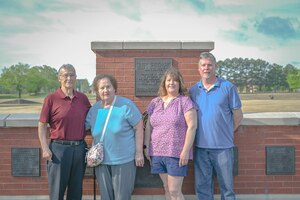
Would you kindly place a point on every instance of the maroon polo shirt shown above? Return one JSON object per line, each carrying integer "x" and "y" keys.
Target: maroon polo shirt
{"x": 65, "y": 116}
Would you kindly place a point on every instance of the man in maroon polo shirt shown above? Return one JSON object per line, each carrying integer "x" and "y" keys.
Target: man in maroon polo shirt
{"x": 65, "y": 111}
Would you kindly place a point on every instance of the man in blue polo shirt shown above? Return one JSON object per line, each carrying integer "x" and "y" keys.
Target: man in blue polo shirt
{"x": 219, "y": 115}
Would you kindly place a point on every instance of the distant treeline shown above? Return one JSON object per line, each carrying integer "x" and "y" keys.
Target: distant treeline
{"x": 252, "y": 76}
{"x": 21, "y": 78}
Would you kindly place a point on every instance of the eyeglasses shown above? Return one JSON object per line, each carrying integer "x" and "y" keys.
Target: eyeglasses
{"x": 68, "y": 75}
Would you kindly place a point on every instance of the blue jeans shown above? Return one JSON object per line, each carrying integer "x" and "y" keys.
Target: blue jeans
{"x": 210, "y": 161}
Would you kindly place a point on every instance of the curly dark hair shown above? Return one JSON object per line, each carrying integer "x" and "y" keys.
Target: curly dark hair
{"x": 99, "y": 77}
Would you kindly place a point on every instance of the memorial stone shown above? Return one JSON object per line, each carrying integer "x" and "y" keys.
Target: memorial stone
{"x": 148, "y": 72}
{"x": 280, "y": 160}
{"x": 25, "y": 161}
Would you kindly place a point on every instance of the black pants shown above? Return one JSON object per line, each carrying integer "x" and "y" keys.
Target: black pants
{"x": 66, "y": 171}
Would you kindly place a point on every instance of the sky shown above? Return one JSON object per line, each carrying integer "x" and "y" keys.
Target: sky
{"x": 55, "y": 32}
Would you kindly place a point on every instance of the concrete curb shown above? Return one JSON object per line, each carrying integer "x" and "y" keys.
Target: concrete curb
{"x": 161, "y": 197}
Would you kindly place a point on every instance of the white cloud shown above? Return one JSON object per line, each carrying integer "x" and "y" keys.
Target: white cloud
{"x": 230, "y": 2}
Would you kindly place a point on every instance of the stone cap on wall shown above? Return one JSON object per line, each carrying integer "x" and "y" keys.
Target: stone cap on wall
{"x": 151, "y": 45}
{"x": 2, "y": 119}
{"x": 254, "y": 119}
{"x": 272, "y": 118}
{"x": 19, "y": 120}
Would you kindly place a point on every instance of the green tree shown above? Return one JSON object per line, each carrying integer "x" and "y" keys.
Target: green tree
{"x": 276, "y": 79}
{"x": 34, "y": 81}
{"x": 83, "y": 85}
{"x": 293, "y": 79}
{"x": 250, "y": 75}
{"x": 41, "y": 79}
{"x": 14, "y": 77}
{"x": 263, "y": 68}
{"x": 50, "y": 75}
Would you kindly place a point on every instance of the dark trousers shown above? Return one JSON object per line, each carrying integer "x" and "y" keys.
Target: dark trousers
{"x": 66, "y": 171}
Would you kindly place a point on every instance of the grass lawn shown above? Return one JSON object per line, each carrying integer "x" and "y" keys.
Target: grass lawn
{"x": 270, "y": 102}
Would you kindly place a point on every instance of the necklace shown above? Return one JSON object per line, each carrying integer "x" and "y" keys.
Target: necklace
{"x": 167, "y": 100}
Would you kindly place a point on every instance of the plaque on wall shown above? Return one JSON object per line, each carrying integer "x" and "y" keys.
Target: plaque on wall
{"x": 144, "y": 178}
{"x": 25, "y": 161}
{"x": 148, "y": 72}
{"x": 280, "y": 160}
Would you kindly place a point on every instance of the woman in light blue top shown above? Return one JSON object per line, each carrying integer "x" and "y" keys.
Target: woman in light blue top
{"x": 123, "y": 139}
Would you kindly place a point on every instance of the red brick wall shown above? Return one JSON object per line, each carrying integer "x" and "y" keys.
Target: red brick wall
{"x": 9, "y": 185}
{"x": 251, "y": 142}
{"x": 251, "y": 179}
{"x": 25, "y": 138}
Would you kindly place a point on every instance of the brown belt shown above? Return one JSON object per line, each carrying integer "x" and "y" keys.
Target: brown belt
{"x": 68, "y": 142}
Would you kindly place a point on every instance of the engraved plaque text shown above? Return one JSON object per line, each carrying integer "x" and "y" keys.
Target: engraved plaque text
{"x": 25, "y": 161}
{"x": 280, "y": 160}
{"x": 148, "y": 72}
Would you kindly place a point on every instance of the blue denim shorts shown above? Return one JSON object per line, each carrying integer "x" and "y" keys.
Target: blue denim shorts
{"x": 167, "y": 165}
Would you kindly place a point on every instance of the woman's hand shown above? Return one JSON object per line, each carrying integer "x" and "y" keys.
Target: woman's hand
{"x": 139, "y": 159}
{"x": 146, "y": 153}
{"x": 139, "y": 136}
{"x": 184, "y": 158}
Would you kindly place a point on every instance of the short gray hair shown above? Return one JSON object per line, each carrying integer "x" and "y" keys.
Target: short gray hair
{"x": 209, "y": 56}
{"x": 66, "y": 67}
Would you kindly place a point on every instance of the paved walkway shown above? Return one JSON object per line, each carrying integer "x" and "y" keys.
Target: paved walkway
{"x": 161, "y": 197}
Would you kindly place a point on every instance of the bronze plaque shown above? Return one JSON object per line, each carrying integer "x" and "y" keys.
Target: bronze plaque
{"x": 25, "y": 161}
{"x": 280, "y": 160}
{"x": 148, "y": 72}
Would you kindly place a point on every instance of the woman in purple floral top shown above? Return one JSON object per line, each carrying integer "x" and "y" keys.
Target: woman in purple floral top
{"x": 170, "y": 133}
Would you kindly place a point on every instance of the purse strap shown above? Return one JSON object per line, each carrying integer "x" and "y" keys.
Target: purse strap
{"x": 107, "y": 118}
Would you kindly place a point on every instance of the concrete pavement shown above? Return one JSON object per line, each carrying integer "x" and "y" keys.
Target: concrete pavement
{"x": 161, "y": 197}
